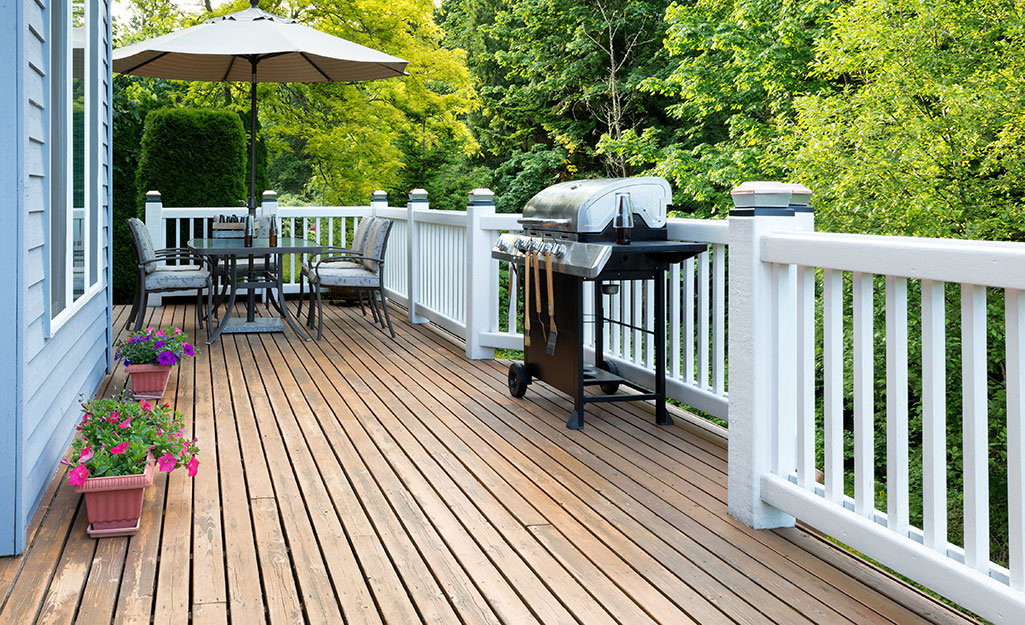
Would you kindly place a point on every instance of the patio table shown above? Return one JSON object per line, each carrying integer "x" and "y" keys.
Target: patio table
{"x": 230, "y": 250}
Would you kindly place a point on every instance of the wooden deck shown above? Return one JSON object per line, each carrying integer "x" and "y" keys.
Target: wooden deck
{"x": 366, "y": 480}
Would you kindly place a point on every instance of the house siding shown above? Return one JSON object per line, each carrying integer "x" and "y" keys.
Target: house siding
{"x": 11, "y": 177}
{"x": 43, "y": 379}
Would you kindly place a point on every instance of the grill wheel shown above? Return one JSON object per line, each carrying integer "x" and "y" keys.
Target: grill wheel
{"x": 518, "y": 379}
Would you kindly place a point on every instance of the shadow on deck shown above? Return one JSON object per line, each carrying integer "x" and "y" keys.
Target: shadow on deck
{"x": 365, "y": 480}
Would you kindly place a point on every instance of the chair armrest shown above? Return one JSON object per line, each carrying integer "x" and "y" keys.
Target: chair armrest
{"x": 179, "y": 253}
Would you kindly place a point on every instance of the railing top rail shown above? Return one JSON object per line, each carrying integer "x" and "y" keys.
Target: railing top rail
{"x": 987, "y": 263}
{"x": 282, "y": 211}
{"x": 699, "y": 230}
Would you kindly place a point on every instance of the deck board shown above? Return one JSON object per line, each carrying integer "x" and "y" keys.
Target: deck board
{"x": 362, "y": 479}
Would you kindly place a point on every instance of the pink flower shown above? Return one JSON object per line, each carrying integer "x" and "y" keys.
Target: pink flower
{"x": 167, "y": 462}
{"x": 145, "y": 405}
{"x": 127, "y": 423}
{"x": 77, "y": 475}
{"x": 193, "y": 466}
{"x": 85, "y": 418}
{"x": 177, "y": 330}
{"x": 113, "y": 417}
{"x": 120, "y": 449}
{"x": 161, "y": 333}
{"x": 86, "y": 455}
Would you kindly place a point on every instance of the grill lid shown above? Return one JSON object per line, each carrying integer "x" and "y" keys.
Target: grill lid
{"x": 588, "y": 206}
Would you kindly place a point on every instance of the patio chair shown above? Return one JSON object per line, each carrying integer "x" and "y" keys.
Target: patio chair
{"x": 359, "y": 236}
{"x": 340, "y": 267}
{"x": 155, "y": 277}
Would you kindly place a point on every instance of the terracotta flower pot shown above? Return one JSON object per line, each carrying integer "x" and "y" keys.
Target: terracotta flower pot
{"x": 148, "y": 381}
{"x": 114, "y": 504}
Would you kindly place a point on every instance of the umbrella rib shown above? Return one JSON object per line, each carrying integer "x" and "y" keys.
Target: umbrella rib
{"x": 146, "y": 62}
{"x": 230, "y": 65}
{"x": 315, "y": 66}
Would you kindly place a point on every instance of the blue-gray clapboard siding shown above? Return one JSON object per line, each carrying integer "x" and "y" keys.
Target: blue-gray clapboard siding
{"x": 42, "y": 378}
{"x": 11, "y": 177}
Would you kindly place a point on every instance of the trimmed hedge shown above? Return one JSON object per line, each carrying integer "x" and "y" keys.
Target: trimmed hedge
{"x": 194, "y": 157}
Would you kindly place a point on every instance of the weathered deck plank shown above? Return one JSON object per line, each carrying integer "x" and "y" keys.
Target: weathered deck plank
{"x": 369, "y": 480}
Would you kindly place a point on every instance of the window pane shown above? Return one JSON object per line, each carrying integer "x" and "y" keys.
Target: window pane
{"x": 78, "y": 154}
{"x": 58, "y": 156}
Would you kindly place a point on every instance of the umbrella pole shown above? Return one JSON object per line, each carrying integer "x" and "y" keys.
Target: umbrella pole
{"x": 252, "y": 140}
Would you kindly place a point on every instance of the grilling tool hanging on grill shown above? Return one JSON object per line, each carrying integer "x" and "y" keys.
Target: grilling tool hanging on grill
{"x": 553, "y": 333}
{"x": 575, "y": 225}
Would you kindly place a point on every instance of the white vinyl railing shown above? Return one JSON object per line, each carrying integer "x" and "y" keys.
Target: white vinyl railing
{"x": 792, "y": 398}
{"x": 788, "y": 457}
{"x": 443, "y": 258}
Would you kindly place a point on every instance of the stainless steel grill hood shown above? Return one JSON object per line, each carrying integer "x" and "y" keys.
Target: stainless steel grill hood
{"x": 587, "y": 207}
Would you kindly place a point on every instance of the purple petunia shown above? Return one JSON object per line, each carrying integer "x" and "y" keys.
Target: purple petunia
{"x": 166, "y": 358}
{"x": 159, "y": 344}
{"x": 188, "y": 350}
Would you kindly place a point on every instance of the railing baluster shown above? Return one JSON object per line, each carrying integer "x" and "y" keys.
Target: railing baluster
{"x": 832, "y": 391}
{"x": 805, "y": 376}
{"x": 864, "y": 407}
{"x": 649, "y": 323}
{"x": 688, "y": 320}
{"x": 719, "y": 319}
{"x": 636, "y": 319}
{"x": 1014, "y": 314}
{"x": 784, "y": 405}
{"x": 934, "y": 416}
{"x": 703, "y": 287}
{"x": 976, "y": 456}
{"x": 674, "y": 320}
{"x": 897, "y": 404}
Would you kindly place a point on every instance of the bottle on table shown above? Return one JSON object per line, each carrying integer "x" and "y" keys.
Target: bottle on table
{"x": 247, "y": 237}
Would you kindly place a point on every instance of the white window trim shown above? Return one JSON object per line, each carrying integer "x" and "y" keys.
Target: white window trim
{"x": 89, "y": 194}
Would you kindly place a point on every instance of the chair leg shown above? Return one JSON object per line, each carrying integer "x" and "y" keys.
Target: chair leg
{"x": 299, "y": 306}
{"x": 135, "y": 309}
{"x": 359, "y": 294}
{"x": 373, "y": 307}
{"x": 384, "y": 307}
{"x": 142, "y": 310}
{"x": 320, "y": 314}
{"x": 199, "y": 309}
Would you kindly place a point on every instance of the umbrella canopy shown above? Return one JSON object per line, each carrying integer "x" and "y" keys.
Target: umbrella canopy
{"x": 260, "y": 47}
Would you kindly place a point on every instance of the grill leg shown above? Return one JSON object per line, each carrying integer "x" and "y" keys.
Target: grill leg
{"x": 661, "y": 416}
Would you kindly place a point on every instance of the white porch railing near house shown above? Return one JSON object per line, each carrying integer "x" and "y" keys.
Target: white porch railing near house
{"x": 777, "y": 264}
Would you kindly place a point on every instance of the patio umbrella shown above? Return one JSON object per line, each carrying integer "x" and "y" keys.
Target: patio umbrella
{"x": 233, "y": 47}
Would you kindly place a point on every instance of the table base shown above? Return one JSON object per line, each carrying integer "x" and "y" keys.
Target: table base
{"x": 238, "y": 325}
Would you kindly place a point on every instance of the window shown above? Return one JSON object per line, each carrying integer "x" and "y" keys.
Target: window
{"x": 74, "y": 212}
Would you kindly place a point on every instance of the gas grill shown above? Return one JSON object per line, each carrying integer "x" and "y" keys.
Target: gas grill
{"x": 568, "y": 239}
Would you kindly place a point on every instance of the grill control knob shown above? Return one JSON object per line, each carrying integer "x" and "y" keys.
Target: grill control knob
{"x": 558, "y": 250}
{"x": 502, "y": 245}
{"x": 522, "y": 245}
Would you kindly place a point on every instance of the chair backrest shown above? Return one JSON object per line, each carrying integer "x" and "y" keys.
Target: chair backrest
{"x": 377, "y": 242}
{"x": 359, "y": 236}
{"x": 142, "y": 244}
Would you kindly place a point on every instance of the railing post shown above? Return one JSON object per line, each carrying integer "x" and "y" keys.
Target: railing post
{"x": 481, "y": 281}
{"x": 417, "y": 201}
{"x": 155, "y": 224}
{"x": 377, "y": 202}
{"x": 760, "y": 208}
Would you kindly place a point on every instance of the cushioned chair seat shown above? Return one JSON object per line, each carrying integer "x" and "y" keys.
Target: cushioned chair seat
{"x": 349, "y": 264}
{"x": 332, "y": 275}
{"x": 195, "y": 279}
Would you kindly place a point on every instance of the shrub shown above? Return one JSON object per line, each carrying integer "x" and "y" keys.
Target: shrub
{"x": 193, "y": 157}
